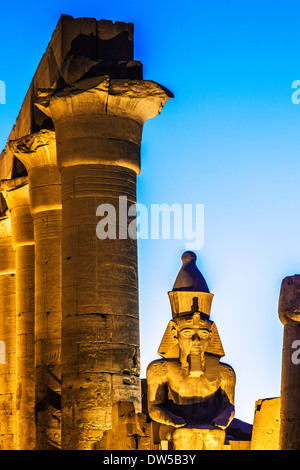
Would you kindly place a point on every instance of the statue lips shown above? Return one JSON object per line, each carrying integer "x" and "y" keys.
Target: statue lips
{"x": 196, "y": 349}
{"x": 198, "y": 344}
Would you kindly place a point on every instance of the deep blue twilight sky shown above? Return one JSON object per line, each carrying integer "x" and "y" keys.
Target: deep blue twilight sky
{"x": 229, "y": 139}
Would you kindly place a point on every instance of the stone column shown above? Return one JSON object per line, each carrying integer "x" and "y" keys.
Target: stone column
{"x": 16, "y": 193}
{"x": 289, "y": 314}
{"x": 8, "y": 433}
{"x": 38, "y": 154}
{"x": 98, "y": 125}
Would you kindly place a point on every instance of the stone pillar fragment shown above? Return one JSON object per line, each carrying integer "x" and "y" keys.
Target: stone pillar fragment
{"x": 8, "y": 433}
{"x": 265, "y": 432}
{"x": 16, "y": 193}
{"x": 289, "y": 314}
{"x": 98, "y": 126}
{"x": 38, "y": 154}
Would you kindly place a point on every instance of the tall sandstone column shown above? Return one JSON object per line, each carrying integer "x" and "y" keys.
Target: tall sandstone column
{"x": 289, "y": 314}
{"x": 98, "y": 124}
{"x": 16, "y": 193}
{"x": 38, "y": 154}
{"x": 8, "y": 336}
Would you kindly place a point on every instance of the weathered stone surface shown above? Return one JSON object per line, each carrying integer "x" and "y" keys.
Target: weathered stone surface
{"x": 38, "y": 154}
{"x": 240, "y": 445}
{"x": 289, "y": 314}
{"x": 8, "y": 436}
{"x": 289, "y": 300}
{"x": 79, "y": 47}
{"x": 130, "y": 430}
{"x": 16, "y": 193}
{"x": 265, "y": 435}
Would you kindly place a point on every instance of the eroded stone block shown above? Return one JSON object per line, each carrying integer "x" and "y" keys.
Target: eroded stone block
{"x": 265, "y": 435}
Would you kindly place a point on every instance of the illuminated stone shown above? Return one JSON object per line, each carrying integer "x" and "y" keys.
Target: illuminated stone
{"x": 190, "y": 392}
{"x": 78, "y": 46}
{"x": 16, "y": 194}
{"x": 8, "y": 433}
{"x": 265, "y": 435}
{"x": 289, "y": 314}
{"x": 38, "y": 154}
{"x": 98, "y": 124}
{"x": 130, "y": 430}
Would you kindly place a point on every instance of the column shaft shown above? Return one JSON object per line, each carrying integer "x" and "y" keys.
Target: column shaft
{"x": 25, "y": 347}
{"x": 38, "y": 154}
{"x": 289, "y": 437}
{"x": 100, "y": 332}
{"x": 47, "y": 237}
{"x": 17, "y": 197}
{"x": 8, "y": 434}
{"x": 288, "y": 309}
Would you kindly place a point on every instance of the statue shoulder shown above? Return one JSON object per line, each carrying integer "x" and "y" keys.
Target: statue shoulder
{"x": 227, "y": 372}
{"x": 228, "y": 380}
{"x": 157, "y": 369}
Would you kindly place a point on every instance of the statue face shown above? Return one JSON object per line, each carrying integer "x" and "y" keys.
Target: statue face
{"x": 193, "y": 341}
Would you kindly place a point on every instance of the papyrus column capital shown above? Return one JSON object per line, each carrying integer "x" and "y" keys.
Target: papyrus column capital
{"x": 136, "y": 99}
{"x": 16, "y": 194}
{"x": 36, "y": 150}
{"x": 289, "y": 300}
{"x": 38, "y": 154}
{"x": 100, "y": 120}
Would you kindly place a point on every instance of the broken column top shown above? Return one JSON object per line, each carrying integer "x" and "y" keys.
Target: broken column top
{"x": 79, "y": 48}
{"x": 289, "y": 300}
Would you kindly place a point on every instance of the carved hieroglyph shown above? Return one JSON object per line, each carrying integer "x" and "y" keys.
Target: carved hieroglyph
{"x": 190, "y": 392}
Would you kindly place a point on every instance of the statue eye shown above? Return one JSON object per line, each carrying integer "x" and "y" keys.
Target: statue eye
{"x": 203, "y": 334}
{"x": 188, "y": 333}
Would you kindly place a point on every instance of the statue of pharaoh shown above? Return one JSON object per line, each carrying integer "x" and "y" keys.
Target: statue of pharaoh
{"x": 190, "y": 392}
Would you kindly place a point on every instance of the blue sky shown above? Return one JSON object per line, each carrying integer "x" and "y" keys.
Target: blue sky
{"x": 229, "y": 140}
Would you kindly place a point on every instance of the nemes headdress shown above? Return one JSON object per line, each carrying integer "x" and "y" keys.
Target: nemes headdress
{"x": 191, "y": 303}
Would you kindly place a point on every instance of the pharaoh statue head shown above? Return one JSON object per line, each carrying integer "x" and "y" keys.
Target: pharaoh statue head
{"x": 191, "y": 336}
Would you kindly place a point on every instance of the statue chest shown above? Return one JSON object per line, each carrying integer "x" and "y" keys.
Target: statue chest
{"x": 187, "y": 390}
